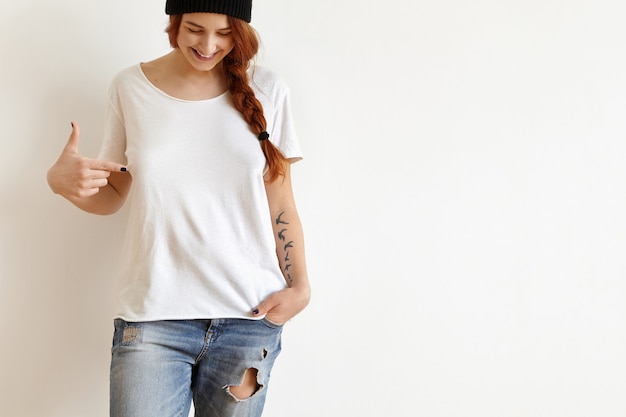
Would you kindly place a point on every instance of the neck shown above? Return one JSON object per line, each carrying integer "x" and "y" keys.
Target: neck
{"x": 173, "y": 74}
{"x": 185, "y": 71}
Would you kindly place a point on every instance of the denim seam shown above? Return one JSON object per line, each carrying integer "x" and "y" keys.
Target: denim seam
{"x": 214, "y": 328}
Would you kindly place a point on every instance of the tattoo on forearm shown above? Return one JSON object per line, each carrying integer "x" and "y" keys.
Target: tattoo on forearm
{"x": 279, "y": 219}
{"x": 282, "y": 236}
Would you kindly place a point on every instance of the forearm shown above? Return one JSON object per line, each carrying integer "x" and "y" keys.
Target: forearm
{"x": 290, "y": 247}
{"x": 106, "y": 201}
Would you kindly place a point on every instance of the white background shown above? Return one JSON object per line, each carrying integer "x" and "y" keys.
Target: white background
{"x": 462, "y": 195}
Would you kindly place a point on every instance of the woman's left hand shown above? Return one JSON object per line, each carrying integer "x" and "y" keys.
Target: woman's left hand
{"x": 283, "y": 305}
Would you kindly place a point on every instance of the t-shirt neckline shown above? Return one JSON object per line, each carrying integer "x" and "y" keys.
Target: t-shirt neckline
{"x": 171, "y": 97}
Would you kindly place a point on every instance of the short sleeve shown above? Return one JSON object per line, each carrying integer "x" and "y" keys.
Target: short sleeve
{"x": 274, "y": 95}
{"x": 113, "y": 146}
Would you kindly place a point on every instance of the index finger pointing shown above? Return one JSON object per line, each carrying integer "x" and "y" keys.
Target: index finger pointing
{"x": 108, "y": 166}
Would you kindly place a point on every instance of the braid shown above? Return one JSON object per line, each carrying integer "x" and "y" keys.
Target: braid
{"x": 236, "y": 66}
{"x": 243, "y": 96}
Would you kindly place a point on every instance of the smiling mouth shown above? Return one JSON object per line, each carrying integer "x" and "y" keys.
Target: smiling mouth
{"x": 205, "y": 57}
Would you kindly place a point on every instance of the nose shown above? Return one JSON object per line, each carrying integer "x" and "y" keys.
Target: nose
{"x": 208, "y": 43}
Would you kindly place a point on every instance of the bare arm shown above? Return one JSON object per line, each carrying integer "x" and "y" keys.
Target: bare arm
{"x": 283, "y": 305}
{"x": 98, "y": 187}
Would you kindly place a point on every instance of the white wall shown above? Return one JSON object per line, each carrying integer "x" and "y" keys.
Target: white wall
{"x": 462, "y": 194}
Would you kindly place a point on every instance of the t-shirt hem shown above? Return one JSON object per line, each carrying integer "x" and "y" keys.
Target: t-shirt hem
{"x": 133, "y": 319}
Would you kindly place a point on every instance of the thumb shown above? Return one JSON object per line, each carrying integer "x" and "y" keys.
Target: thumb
{"x": 72, "y": 143}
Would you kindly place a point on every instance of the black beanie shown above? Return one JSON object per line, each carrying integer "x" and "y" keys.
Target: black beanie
{"x": 241, "y": 9}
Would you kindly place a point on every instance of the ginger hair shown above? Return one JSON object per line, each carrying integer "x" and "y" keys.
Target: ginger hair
{"x": 236, "y": 65}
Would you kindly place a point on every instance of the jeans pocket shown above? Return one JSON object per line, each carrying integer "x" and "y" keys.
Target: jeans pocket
{"x": 271, "y": 324}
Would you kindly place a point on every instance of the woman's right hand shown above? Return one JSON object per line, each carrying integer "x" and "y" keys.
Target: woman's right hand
{"x": 74, "y": 176}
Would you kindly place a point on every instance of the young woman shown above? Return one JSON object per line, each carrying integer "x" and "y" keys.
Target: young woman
{"x": 200, "y": 144}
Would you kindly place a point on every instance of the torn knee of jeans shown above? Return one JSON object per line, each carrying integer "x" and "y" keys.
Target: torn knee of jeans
{"x": 248, "y": 387}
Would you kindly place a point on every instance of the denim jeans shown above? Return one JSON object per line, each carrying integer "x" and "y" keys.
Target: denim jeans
{"x": 158, "y": 368}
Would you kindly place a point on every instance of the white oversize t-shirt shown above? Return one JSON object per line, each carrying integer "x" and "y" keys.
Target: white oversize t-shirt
{"x": 199, "y": 240}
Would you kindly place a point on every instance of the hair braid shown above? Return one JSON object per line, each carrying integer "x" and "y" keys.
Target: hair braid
{"x": 236, "y": 66}
{"x": 251, "y": 109}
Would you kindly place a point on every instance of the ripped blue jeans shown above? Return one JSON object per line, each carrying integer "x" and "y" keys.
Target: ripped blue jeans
{"x": 158, "y": 368}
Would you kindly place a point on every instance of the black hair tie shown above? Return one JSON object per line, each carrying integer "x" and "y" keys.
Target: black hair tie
{"x": 264, "y": 136}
